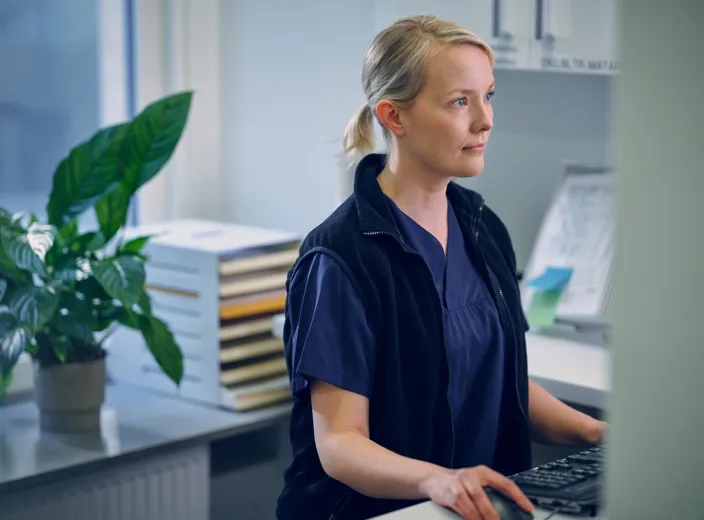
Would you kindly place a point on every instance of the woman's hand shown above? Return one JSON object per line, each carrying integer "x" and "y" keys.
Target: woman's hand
{"x": 463, "y": 492}
{"x": 593, "y": 432}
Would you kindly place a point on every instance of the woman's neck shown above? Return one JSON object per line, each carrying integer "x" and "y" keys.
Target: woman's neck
{"x": 418, "y": 193}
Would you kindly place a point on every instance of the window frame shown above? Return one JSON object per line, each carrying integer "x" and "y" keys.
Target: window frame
{"x": 177, "y": 47}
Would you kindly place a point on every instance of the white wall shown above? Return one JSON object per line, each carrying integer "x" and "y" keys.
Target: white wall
{"x": 541, "y": 120}
{"x": 291, "y": 82}
{"x": 657, "y": 416}
{"x": 292, "y": 79}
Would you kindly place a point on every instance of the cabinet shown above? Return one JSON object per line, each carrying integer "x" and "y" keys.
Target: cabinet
{"x": 549, "y": 35}
{"x": 576, "y": 36}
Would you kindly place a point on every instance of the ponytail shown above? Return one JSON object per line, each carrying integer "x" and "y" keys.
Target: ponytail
{"x": 359, "y": 135}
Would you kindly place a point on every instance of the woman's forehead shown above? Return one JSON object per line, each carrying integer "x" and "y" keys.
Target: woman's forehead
{"x": 459, "y": 67}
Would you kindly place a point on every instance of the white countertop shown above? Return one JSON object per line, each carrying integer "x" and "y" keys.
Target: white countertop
{"x": 429, "y": 511}
{"x": 568, "y": 369}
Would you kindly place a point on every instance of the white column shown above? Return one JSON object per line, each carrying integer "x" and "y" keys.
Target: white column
{"x": 655, "y": 455}
{"x": 178, "y": 48}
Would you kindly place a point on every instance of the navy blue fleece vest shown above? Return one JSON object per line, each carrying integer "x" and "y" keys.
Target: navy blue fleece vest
{"x": 409, "y": 405}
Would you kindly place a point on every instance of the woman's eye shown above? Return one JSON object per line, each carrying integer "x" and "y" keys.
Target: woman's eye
{"x": 489, "y": 95}
{"x": 461, "y": 102}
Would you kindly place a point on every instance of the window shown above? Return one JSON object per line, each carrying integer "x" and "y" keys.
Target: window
{"x": 64, "y": 74}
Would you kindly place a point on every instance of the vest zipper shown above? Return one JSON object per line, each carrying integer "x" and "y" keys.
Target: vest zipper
{"x": 503, "y": 310}
{"x": 339, "y": 506}
{"x": 444, "y": 334}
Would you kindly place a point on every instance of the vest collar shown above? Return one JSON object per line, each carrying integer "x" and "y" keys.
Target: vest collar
{"x": 375, "y": 214}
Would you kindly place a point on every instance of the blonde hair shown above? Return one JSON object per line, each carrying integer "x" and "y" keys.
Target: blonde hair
{"x": 393, "y": 69}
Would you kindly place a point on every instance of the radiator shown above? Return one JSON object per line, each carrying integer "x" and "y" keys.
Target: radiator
{"x": 165, "y": 487}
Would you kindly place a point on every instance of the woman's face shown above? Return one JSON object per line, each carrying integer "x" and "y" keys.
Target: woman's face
{"x": 447, "y": 127}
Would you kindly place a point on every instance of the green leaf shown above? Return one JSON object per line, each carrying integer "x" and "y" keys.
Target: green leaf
{"x": 5, "y": 382}
{"x": 92, "y": 290}
{"x": 5, "y": 217}
{"x": 67, "y": 232}
{"x": 76, "y": 317}
{"x": 87, "y": 242}
{"x": 33, "y": 306}
{"x": 126, "y": 318}
{"x": 122, "y": 278}
{"x": 20, "y": 217}
{"x": 10, "y": 221}
{"x": 112, "y": 210}
{"x": 153, "y": 136}
{"x": 145, "y": 303}
{"x": 20, "y": 253}
{"x": 67, "y": 268}
{"x": 28, "y": 251}
{"x": 90, "y": 172}
{"x": 13, "y": 340}
{"x": 61, "y": 346}
{"x": 149, "y": 143}
{"x": 3, "y": 288}
{"x": 110, "y": 315}
{"x": 7, "y": 266}
{"x": 134, "y": 246}
{"x": 40, "y": 238}
{"x": 163, "y": 347}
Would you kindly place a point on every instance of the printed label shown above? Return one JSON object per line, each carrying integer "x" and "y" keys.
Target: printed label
{"x": 580, "y": 64}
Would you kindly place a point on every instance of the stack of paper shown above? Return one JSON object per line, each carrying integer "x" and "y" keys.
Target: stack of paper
{"x": 217, "y": 286}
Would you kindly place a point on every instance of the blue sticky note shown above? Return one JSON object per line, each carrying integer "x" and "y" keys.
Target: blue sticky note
{"x": 552, "y": 279}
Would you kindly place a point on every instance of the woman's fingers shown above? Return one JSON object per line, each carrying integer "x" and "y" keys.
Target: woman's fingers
{"x": 507, "y": 486}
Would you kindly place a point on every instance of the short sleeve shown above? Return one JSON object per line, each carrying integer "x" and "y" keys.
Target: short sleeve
{"x": 330, "y": 337}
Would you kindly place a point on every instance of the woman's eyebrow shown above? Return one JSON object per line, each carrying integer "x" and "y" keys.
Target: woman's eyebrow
{"x": 469, "y": 90}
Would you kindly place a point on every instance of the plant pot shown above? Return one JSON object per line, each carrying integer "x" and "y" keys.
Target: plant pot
{"x": 69, "y": 396}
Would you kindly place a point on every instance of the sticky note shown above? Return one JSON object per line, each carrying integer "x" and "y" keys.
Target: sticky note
{"x": 543, "y": 307}
{"x": 553, "y": 278}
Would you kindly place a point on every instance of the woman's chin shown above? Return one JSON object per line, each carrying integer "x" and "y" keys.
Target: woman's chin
{"x": 471, "y": 167}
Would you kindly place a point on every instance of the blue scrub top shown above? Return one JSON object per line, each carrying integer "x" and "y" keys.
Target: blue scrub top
{"x": 333, "y": 341}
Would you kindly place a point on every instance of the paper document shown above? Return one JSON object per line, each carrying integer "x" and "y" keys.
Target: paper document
{"x": 574, "y": 251}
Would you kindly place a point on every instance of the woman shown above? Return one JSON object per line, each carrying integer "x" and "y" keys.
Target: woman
{"x": 404, "y": 331}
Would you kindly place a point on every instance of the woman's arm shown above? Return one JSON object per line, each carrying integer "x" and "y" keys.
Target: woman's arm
{"x": 332, "y": 347}
{"x": 341, "y": 424}
{"x": 554, "y": 422}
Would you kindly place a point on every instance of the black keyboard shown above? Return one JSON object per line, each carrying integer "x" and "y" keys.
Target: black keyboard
{"x": 572, "y": 484}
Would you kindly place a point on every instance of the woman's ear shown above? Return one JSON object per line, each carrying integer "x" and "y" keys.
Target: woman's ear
{"x": 389, "y": 117}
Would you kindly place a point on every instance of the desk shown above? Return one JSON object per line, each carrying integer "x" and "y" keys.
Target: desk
{"x": 429, "y": 511}
{"x": 150, "y": 460}
{"x": 570, "y": 370}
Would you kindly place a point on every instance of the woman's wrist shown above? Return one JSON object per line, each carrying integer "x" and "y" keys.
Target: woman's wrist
{"x": 591, "y": 431}
{"x": 426, "y": 481}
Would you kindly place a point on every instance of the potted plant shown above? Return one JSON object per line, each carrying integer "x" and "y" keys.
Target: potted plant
{"x": 63, "y": 290}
